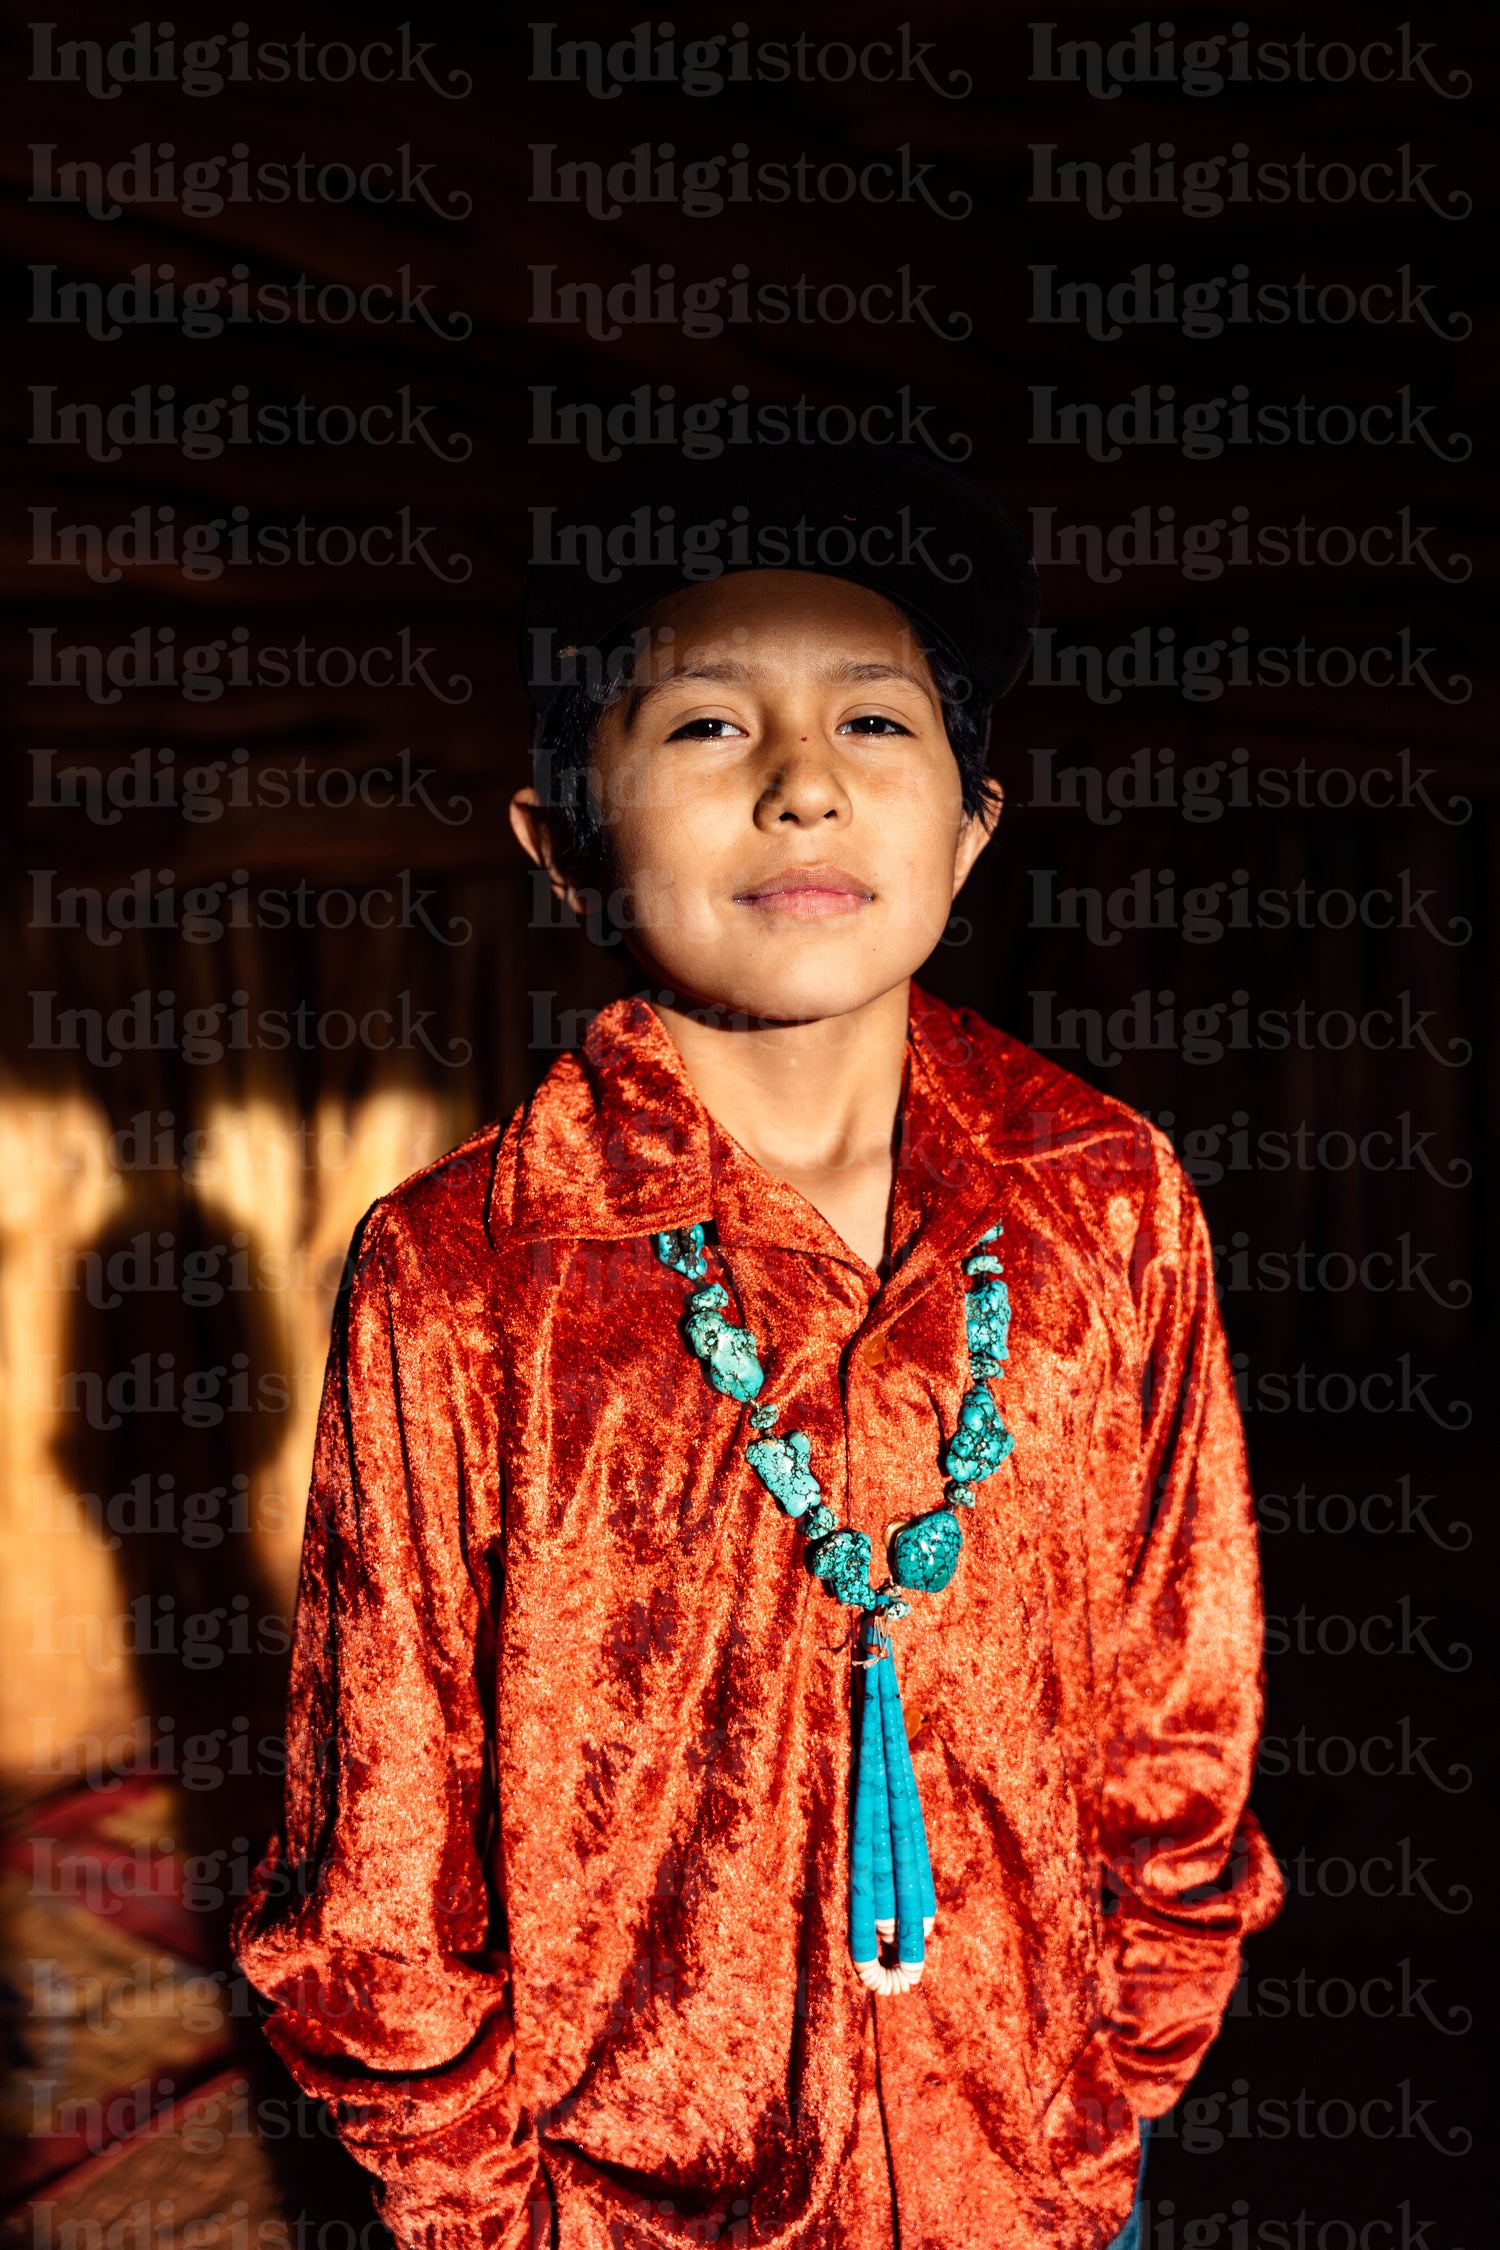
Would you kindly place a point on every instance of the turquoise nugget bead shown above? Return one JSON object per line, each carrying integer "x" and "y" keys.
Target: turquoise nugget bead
{"x": 987, "y": 1314}
{"x": 842, "y": 1561}
{"x": 924, "y": 1554}
{"x": 681, "y": 1249}
{"x": 781, "y": 1465}
{"x": 981, "y": 1441}
{"x": 818, "y": 1522}
{"x": 728, "y": 1353}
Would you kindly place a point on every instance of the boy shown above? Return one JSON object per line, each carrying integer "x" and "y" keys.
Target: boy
{"x": 800, "y": 1332}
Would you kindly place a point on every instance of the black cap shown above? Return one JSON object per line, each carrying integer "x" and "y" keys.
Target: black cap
{"x": 893, "y": 519}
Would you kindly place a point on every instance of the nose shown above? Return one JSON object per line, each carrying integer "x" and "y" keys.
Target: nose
{"x": 802, "y": 788}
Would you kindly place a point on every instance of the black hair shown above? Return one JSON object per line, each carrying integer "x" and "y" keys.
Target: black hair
{"x": 566, "y": 732}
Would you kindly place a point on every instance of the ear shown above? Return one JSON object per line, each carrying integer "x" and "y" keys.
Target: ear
{"x": 539, "y": 832}
{"x": 978, "y": 827}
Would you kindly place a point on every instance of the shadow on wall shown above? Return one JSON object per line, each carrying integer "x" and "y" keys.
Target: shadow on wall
{"x": 180, "y": 1377}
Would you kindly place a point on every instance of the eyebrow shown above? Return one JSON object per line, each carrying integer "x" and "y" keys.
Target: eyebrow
{"x": 851, "y": 670}
{"x": 641, "y": 694}
{"x": 846, "y": 672}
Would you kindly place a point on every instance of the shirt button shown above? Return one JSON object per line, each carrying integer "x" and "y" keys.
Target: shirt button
{"x": 876, "y": 1352}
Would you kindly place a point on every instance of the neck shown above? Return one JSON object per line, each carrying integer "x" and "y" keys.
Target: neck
{"x": 813, "y": 1103}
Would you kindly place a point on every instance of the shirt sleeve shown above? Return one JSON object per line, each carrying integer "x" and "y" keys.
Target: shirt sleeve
{"x": 1189, "y": 1869}
{"x": 370, "y": 1925}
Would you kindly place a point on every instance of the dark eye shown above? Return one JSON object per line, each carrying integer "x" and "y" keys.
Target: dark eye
{"x": 873, "y": 723}
{"x": 704, "y": 730}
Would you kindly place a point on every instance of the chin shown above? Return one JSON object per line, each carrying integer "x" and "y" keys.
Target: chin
{"x": 804, "y": 991}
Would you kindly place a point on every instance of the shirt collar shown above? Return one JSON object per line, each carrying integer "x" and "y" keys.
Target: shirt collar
{"x": 617, "y": 1143}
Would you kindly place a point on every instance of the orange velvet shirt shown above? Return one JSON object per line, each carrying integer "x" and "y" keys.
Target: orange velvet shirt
{"x": 557, "y": 1919}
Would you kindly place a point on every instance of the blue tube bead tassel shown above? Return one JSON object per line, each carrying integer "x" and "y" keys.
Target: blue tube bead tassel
{"x": 910, "y": 1938}
{"x": 869, "y": 1843}
{"x": 907, "y": 1777}
{"x": 882, "y": 1866}
{"x": 873, "y": 1890}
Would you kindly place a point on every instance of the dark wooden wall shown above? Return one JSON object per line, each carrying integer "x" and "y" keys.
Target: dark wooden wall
{"x": 1322, "y": 878}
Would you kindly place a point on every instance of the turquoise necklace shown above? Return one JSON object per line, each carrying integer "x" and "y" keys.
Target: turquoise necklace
{"x": 890, "y": 1875}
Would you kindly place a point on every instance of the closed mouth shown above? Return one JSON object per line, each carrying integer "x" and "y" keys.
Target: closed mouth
{"x": 808, "y": 892}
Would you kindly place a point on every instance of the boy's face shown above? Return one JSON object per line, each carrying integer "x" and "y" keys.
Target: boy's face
{"x": 783, "y": 809}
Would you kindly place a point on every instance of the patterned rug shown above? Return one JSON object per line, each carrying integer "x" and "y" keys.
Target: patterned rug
{"x": 139, "y": 2105}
